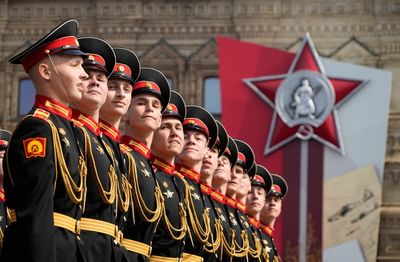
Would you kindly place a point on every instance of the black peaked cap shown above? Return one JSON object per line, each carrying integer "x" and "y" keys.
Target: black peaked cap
{"x": 97, "y": 46}
{"x": 126, "y": 57}
{"x": 176, "y": 107}
{"x": 262, "y": 178}
{"x": 222, "y": 142}
{"x": 248, "y": 153}
{"x": 145, "y": 81}
{"x": 204, "y": 116}
{"x": 281, "y": 183}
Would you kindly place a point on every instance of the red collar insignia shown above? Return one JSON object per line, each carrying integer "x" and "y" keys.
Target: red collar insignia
{"x": 110, "y": 131}
{"x": 189, "y": 173}
{"x": 162, "y": 165}
{"x": 137, "y": 146}
{"x": 53, "y": 106}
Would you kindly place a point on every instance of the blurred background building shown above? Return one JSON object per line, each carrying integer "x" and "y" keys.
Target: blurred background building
{"x": 178, "y": 37}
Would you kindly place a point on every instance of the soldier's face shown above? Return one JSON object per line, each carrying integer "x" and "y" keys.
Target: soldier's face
{"x": 118, "y": 99}
{"x": 272, "y": 207}
{"x": 222, "y": 174}
{"x": 194, "y": 149}
{"x": 246, "y": 186}
{"x": 236, "y": 179}
{"x": 168, "y": 139}
{"x": 94, "y": 94}
{"x": 210, "y": 162}
{"x": 144, "y": 113}
{"x": 255, "y": 200}
{"x": 68, "y": 79}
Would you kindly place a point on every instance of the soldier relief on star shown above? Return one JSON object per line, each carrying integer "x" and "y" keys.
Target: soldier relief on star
{"x": 305, "y": 100}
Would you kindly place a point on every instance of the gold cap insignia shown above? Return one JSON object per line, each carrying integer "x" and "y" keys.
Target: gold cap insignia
{"x": 121, "y": 68}
{"x": 91, "y": 57}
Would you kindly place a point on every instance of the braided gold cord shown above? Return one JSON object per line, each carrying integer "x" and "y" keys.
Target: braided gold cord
{"x": 108, "y": 197}
{"x": 229, "y": 248}
{"x": 124, "y": 192}
{"x": 138, "y": 198}
{"x": 123, "y": 203}
{"x": 216, "y": 242}
{"x": 255, "y": 253}
{"x": 172, "y": 231}
{"x": 201, "y": 233}
{"x": 75, "y": 193}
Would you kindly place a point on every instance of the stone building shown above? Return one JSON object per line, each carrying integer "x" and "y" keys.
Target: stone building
{"x": 178, "y": 37}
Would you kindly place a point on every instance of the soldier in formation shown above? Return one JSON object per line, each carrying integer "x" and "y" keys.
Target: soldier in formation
{"x": 175, "y": 186}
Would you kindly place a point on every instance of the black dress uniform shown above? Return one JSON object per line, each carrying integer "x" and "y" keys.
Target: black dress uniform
{"x": 127, "y": 68}
{"x": 259, "y": 177}
{"x": 242, "y": 239}
{"x": 147, "y": 197}
{"x": 44, "y": 171}
{"x": 197, "y": 119}
{"x": 219, "y": 201}
{"x": 279, "y": 188}
{"x": 4, "y": 218}
{"x": 213, "y": 246}
{"x": 213, "y": 243}
{"x": 98, "y": 222}
{"x": 168, "y": 241}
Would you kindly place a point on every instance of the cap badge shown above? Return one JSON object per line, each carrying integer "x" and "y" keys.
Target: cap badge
{"x": 149, "y": 85}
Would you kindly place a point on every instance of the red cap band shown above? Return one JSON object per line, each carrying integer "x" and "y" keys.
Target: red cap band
{"x": 122, "y": 69}
{"x": 276, "y": 188}
{"x": 241, "y": 157}
{"x": 146, "y": 85}
{"x": 96, "y": 58}
{"x": 53, "y": 47}
{"x": 172, "y": 108}
{"x": 259, "y": 179}
{"x": 196, "y": 123}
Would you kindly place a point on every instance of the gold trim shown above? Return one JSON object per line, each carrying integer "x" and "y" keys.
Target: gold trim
{"x": 164, "y": 259}
{"x": 99, "y": 226}
{"x": 191, "y": 258}
{"x": 136, "y": 246}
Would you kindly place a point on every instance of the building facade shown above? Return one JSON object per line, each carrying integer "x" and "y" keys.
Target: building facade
{"x": 179, "y": 38}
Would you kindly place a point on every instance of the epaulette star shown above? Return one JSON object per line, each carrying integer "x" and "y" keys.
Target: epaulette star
{"x": 169, "y": 194}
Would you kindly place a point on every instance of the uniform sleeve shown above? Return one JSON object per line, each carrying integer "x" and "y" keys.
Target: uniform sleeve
{"x": 30, "y": 174}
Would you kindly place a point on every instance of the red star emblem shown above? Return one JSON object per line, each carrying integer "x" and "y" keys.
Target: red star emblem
{"x": 306, "y": 64}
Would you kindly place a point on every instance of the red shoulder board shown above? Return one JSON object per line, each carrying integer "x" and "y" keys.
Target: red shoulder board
{"x": 177, "y": 174}
{"x": 124, "y": 148}
{"x": 42, "y": 114}
{"x": 77, "y": 123}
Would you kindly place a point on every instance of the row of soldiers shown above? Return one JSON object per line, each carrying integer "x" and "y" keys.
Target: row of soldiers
{"x": 174, "y": 187}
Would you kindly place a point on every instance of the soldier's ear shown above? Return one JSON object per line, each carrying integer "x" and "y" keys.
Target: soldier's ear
{"x": 44, "y": 71}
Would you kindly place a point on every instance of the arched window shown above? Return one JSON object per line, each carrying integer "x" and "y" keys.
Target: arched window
{"x": 27, "y": 94}
{"x": 212, "y": 96}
